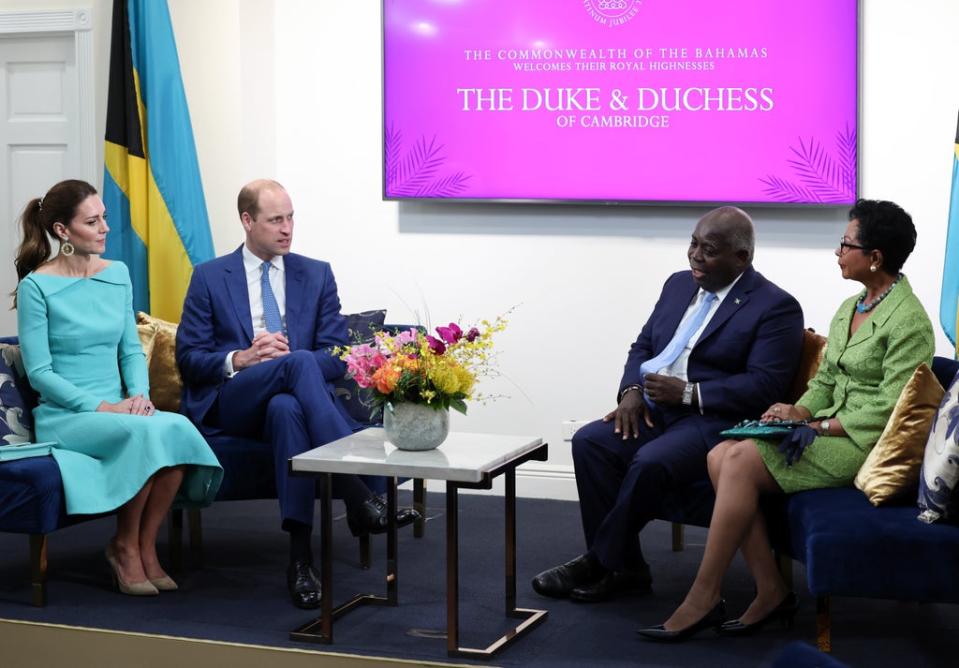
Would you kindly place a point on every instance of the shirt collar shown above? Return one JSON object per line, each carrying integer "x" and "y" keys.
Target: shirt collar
{"x": 721, "y": 294}
{"x": 252, "y": 263}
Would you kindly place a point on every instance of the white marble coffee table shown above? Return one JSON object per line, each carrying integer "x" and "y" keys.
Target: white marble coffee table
{"x": 464, "y": 460}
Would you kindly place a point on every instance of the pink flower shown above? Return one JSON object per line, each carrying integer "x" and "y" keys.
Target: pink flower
{"x": 472, "y": 334}
{"x": 406, "y": 337}
{"x": 436, "y": 345}
{"x": 450, "y": 334}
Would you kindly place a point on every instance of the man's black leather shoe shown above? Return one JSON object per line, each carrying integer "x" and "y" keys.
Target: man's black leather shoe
{"x": 613, "y": 584}
{"x": 372, "y": 517}
{"x": 558, "y": 582}
{"x": 304, "y": 584}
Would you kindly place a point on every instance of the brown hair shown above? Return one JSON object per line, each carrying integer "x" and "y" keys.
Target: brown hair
{"x": 248, "y": 201}
{"x": 59, "y": 205}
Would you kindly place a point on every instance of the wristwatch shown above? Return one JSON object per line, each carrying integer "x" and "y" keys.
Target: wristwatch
{"x": 688, "y": 394}
{"x": 824, "y": 427}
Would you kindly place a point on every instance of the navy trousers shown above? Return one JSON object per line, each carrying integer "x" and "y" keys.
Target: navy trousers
{"x": 621, "y": 483}
{"x": 286, "y": 402}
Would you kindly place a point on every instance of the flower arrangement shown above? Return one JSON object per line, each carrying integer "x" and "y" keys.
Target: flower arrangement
{"x": 412, "y": 366}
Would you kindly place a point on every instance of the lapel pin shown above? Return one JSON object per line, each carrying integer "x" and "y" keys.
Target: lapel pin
{"x": 736, "y": 301}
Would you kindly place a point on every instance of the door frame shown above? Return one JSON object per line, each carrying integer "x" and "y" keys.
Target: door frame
{"x": 78, "y": 22}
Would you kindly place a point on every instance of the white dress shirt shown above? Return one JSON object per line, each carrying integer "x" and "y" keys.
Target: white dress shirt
{"x": 251, "y": 265}
{"x": 678, "y": 368}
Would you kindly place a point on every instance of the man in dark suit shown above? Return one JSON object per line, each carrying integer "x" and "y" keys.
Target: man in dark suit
{"x": 722, "y": 344}
{"x": 254, "y": 348}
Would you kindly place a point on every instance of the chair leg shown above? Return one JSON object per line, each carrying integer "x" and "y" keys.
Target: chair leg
{"x": 38, "y": 568}
{"x": 196, "y": 537}
{"x": 419, "y": 505}
{"x": 365, "y": 559}
{"x": 823, "y": 624}
{"x": 678, "y": 530}
{"x": 175, "y": 530}
{"x": 784, "y": 564}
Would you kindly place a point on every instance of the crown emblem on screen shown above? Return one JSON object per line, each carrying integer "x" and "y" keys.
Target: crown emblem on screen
{"x": 612, "y": 13}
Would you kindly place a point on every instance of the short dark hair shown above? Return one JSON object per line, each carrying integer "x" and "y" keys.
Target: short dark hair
{"x": 885, "y": 227}
{"x": 248, "y": 201}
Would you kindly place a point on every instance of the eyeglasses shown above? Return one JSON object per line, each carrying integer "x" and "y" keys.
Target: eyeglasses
{"x": 845, "y": 245}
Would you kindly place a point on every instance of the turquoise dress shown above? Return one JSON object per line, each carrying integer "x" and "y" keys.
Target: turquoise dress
{"x": 80, "y": 348}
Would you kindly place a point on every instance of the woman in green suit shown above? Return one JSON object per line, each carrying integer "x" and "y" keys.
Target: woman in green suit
{"x": 83, "y": 356}
{"x": 876, "y": 340}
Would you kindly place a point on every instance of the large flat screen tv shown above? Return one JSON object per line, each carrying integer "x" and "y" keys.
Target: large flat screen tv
{"x": 656, "y": 101}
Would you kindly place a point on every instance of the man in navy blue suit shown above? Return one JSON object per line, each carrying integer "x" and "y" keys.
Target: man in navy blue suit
{"x": 721, "y": 345}
{"x": 254, "y": 347}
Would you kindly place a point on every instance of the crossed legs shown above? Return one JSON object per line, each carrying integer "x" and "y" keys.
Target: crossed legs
{"x": 138, "y": 522}
{"x": 739, "y": 477}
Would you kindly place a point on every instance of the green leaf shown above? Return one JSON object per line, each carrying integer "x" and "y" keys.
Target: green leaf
{"x": 458, "y": 404}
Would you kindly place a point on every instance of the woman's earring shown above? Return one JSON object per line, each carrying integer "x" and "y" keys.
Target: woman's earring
{"x": 66, "y": 248}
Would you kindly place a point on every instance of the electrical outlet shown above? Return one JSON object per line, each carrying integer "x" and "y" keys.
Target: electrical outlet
{"x": 570, "y": 427}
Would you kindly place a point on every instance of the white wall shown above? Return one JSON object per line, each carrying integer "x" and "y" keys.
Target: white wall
{"x": 292, "y": 89}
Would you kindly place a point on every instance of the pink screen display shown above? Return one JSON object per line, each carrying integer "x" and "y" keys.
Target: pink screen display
{"x": 621, "y": 100}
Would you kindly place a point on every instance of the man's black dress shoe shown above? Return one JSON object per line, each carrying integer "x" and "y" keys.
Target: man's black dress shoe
{"x": 304, "y": 584}
{"x": 785, "y": 612}
{"x": 558, "y": 582}
{"x": 714, "y": 618}
{"x": 371, "y": 517}
{"x": 613, "y": 584}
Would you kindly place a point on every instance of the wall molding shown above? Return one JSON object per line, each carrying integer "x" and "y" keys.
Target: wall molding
{"x": 80, "y": 23}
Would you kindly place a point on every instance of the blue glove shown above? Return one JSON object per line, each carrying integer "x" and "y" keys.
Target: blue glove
{"x": 795, "y": 442}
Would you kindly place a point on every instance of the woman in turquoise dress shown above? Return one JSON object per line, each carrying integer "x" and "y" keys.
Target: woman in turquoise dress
{"x": 876, "y": 340}
{"x": 83, "y": 356}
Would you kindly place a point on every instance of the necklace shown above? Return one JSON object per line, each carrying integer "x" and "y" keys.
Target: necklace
{"x": 863, "y": 307}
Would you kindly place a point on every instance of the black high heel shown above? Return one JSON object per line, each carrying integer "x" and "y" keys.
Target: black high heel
{"x": 714, "y": 618}
{"x": 785, "y": 612}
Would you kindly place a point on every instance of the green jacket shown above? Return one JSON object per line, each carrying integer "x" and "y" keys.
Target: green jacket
{"x": 861, "y": 376}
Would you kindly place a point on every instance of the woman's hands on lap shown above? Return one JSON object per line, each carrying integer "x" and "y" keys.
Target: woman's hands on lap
{"x": 135, "y": 405}
{"x": 780, "y": 412}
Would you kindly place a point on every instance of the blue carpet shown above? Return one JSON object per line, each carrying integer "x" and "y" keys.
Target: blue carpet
{"x": 239, "y": 595}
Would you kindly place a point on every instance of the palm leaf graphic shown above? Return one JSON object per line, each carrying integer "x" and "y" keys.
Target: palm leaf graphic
{"x": 846, "y": 149}
{"x": 785, "y": 191}
{"x": 818, "y": 171}
{"x": 822, "y": 178}
{"x": 417, "y": 172}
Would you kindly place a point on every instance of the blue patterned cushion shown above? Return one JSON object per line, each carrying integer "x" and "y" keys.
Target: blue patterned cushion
{"x": 358, "y": 401}
{"x": 939, "y": 480}
{"x": 17, "y": 398}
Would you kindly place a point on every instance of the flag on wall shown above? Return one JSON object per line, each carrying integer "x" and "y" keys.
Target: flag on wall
{"x": 949, "y": 304}
{"x": 151, "y": 183}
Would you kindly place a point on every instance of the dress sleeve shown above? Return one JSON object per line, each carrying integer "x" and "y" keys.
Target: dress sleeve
{"x": 33, "y": 329}
{"x": 133, "y": 365}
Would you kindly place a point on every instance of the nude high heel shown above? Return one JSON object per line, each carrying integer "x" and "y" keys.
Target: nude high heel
{"x": 145, "y": 588}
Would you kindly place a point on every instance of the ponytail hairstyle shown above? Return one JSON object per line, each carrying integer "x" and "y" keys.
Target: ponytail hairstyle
{"x": 59, "y": 205}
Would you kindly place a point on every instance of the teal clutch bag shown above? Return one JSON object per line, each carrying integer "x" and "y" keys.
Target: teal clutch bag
{"x": 757, "y": 429}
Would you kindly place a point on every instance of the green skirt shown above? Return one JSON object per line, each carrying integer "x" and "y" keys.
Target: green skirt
{"x": 829, "y": 461}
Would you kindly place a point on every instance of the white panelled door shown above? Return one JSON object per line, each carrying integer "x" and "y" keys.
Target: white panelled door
{"x": 43, "y": 119}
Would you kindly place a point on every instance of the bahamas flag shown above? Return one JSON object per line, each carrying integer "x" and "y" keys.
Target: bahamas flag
{"x": 948, "y": 311}
{"x": 151, "y": 183}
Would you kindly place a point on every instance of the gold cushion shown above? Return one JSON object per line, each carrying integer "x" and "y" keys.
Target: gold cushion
{"x": 891, "y": 469}
{"x": 147, "y": 332}
{"x": 165, "y": 383}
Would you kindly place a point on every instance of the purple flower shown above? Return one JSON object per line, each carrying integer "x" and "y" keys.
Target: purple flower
{"x": 436, "y": 345}
{"x": 472, "y": 334}
{"x": 450, "y": 334}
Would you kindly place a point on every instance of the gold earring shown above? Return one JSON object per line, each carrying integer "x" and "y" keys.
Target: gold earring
{"x": 67, "y": 249}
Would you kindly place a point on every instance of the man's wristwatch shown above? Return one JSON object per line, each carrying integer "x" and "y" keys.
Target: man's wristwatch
{"x": 688, "y": 394}
{"x": 824, "y": 427}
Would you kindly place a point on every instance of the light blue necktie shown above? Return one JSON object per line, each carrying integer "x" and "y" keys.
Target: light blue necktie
{"x": 271, "y": 311}
{"x": 676, "y": 345}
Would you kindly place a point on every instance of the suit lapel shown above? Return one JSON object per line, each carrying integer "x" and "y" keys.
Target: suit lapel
{"x": 881, "y": 313}
{"x": 235, "y": 279}
{"x": 294, "y": 299}
{"x": 735, "y": 300}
